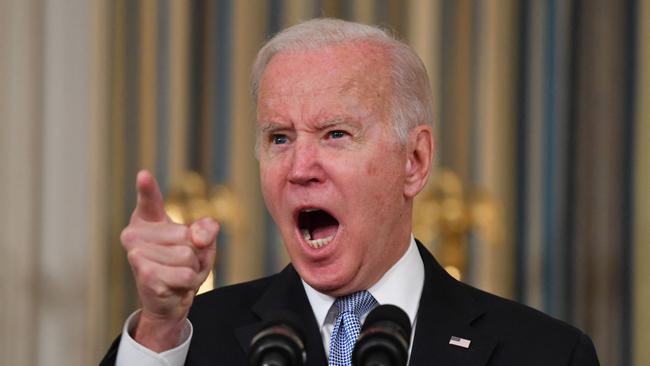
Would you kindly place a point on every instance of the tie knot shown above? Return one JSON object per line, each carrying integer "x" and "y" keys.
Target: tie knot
{"x": 358, "y": 303}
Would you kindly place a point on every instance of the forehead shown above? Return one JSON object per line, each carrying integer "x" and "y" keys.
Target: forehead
{"x": 357, "y": 69}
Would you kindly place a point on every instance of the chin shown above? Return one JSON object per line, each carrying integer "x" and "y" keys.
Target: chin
{"x": 327, "y": 280}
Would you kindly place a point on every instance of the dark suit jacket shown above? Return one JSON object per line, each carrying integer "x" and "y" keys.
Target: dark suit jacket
{"x": 501, "y": 332}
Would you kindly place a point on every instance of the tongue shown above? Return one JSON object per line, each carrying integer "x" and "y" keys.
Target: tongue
{"x": 324, "y": 231}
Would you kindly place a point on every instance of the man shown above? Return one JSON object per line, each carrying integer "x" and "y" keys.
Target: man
{"x": 344, "y": 145}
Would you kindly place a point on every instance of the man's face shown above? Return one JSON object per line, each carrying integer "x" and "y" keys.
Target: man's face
{"x": 332, "y": 169}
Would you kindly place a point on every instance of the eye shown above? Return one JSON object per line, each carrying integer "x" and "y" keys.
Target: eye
{"x": 337, "y": 134}
{"x": 279, "y": 139}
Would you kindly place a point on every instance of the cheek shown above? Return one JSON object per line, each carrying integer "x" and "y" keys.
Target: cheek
{"x": 371, "y": 169}
{"x": 383, "y": 184}
{"x": 270, "y": 187}
{"x": 372, "y": 186}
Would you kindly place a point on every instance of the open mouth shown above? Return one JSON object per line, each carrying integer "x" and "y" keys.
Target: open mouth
{"x": 318, "y": 227}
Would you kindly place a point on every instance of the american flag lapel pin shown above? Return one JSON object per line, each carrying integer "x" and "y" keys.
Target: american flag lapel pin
{"x": 460, "y": 342}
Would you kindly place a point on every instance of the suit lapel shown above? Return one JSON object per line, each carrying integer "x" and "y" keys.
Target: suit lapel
{"x": 287, "y": 294}
{"x": 447, "y": 310}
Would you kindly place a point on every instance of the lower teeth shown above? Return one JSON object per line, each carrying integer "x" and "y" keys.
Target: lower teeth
{"x": 316, "y": 243}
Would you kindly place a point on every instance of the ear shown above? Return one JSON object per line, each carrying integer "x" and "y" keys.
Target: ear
{"x": 418, "y": 160}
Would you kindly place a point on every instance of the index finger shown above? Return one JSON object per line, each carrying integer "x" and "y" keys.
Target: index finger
{"x": 150, "y": 206}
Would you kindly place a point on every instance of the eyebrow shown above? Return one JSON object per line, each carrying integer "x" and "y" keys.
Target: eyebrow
{"x": 332, "y": 122}
{"x": 271, "y": 126}
{"x": 337, "y": 122}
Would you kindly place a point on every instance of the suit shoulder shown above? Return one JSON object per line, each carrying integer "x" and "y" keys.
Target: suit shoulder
{"x": 518, "y": 315}
{"x": 525, "y": 331}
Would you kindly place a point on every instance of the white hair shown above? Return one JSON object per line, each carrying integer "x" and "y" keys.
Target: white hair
{"x": 411, "y": 103}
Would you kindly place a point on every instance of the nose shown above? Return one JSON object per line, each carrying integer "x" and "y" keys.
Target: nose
{"x": 306, "y": 167}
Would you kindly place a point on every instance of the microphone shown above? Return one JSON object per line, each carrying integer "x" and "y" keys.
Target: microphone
{"x": 384, "y": 338}
{"x": 279, "y": 343}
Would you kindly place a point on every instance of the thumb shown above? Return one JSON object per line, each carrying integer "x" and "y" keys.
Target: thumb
{"x": 204, "y": 232}
{"x": 150, "y": 206}
{"x": 203, "y": 236}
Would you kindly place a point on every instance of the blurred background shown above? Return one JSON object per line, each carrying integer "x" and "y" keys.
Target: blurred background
{"x": 542, "y": 185}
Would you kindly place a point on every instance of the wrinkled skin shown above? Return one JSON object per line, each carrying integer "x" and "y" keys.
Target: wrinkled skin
{"x": 169, "y": 262}
{"x": 326, "y": 142}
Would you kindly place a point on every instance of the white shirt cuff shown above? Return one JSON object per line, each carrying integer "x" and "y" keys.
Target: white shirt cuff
{"x": 131, "y": 352}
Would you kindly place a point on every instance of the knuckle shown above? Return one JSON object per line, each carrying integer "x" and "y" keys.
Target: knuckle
{"x": 173, "y": 233}
{"x": 160, "y": 290}
{"x": 146, "y": 274}
{"x": 186, "y": 276}
{"x": 128, "y": 236}
{"x": 182, "y": 232}
{"x": 185, "y": 254}
{"x": 133, "y": 256}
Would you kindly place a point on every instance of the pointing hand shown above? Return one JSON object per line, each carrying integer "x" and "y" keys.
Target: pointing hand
{"x": 169, "y": 261}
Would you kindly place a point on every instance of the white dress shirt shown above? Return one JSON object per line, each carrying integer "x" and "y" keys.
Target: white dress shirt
{"x": 401, "y": 285}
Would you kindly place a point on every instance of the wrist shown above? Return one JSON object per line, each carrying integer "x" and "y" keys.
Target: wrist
{"x": 157, "y": 333}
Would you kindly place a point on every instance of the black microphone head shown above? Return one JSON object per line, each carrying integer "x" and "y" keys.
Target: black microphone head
{"x": 392, "y": 314}
{"x": 279, "y": 343}
{"x": 384, "y": 338}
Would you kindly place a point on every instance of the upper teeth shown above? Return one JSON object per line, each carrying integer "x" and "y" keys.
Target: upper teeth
{"x": 316, "y": 243}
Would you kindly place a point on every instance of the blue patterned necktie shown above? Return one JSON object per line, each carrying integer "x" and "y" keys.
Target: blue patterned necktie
{"x": 348, "y": 325}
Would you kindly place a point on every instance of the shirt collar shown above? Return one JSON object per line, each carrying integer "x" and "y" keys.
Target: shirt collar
{"x": 401, "y": 285}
